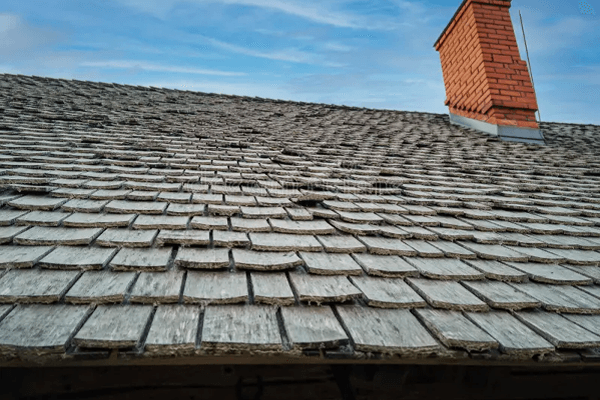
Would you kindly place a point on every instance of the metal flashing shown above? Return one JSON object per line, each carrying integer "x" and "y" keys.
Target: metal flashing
{"x": 510, "y": 133}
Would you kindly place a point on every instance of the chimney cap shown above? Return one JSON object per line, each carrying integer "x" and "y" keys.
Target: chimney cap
{"x": 458, "y": 10}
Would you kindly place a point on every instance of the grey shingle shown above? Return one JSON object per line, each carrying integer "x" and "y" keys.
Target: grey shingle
{"x": 387, "y": 331}
{"x": 85, "y": 206}
{"x": 313, "y": 327}
{"x": 7, "y": 233}
{"x": 501, "y": 295}
{"x": 385, "y": 266}
{"x": 42, "y": 329}
{"x": 137, "y": 207}
{"x": 99, "y": 287}
{"x": 160, "y": 222}
{"x": 377, "y": 245}
{"x": 126, "y": 237}
{"x": 271, "y": 288}
{"x": 38, "y": 235}
{"x": 551, "y": 273}
{"x": 330, "y": 264}
{"x": 455, "y": 330}
{"x": 265, "y": 261}
{"x": 128, "y": 259}
{"x": 34, "y": 285}
{"x": 90, "y": 220}
{"x": 446, "y": 268}
{"x": 36, "y": 203}
{"x": 202, "y": 258}
{"x": 215, "y": 288}
{"x": 388, "y": 293}
{"x": 76, "y": 258}
{"x": 514, "y": 337}
{"x": 250, "y": 225}
{"x": 209, "y": 223}
{"x": 174, "y": 330}
{"x": 320, "y": 289}
{"x": 317, "y": 227}
{"x": 284, "y": 242}
{"x": 114, "y": 326}
{"x": 157, "y": 287}
{"x": 186, "y": 209}
{"x": 449, "y": 295}
{"x": 8, "y": 217}
{"x": 22, "y": 257}
{"x": 495, "y": 252}
{"x": 247, "y": 328}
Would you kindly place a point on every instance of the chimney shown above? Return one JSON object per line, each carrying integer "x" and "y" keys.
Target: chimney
{"x": 488, "y": 87}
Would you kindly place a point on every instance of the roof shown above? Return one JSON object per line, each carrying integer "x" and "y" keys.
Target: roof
{"x": 153, "y": 224}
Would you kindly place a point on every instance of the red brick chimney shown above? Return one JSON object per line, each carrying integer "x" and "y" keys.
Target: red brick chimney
{"x": 487, "y": 84}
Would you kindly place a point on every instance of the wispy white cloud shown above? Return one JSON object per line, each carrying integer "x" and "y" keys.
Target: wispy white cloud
{"x": 322, "y": 12}
{"x": 335, "y": 46}
{"x": 289, "y": 54}
{"x": 292, "y": 55}
{"x": 8, "y": 22}
{"x": 133, "y": 64}
{"x": 547, "y": 34}
{"x": 19, "y": 39}
{"x": 313, "y": 12}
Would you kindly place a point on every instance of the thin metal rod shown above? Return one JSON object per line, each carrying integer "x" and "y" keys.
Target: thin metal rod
{"x": 529, "y": 66}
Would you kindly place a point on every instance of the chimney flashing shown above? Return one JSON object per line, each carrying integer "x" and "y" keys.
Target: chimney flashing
{"x": 510, "y": 133}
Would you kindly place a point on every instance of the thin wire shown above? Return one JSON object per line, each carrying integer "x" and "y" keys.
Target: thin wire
{"x": 529, "y": 65}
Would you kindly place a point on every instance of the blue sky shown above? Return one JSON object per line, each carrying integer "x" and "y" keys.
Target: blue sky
{"x": 366, "y": 53}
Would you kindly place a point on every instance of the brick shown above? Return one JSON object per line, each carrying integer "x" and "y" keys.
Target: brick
{"x": 509, "y": 93}
{"x": 502, "y": 58}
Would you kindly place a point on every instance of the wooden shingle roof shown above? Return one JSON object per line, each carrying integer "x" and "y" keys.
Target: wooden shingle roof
{"x": 157, "y": 223}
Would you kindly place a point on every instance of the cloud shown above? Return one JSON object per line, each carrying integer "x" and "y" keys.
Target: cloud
{"x": 316, "y": 12}
{"x": 289, "y": 54}
{"x": 334, "y": 46}
{"x": 132, "y": 64}
{"x": 547, "y": 35}
{"x": 8, "y": 22}
{"x": 292, "y": 55}
{"x": 18, "y": 40}
{"x": 312, "y": 12}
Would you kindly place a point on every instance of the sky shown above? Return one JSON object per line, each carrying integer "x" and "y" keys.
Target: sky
{"x": 365, "y": 53}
